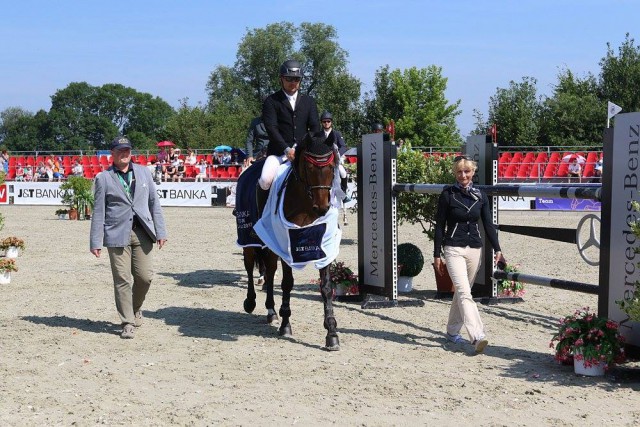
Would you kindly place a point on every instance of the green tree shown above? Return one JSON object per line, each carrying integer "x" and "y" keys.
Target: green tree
{"x": 516, "y": 111}
{"x": 415, "y": 100}
{"x": 620, "y": 75}
{"x": 87, "y": 117}
{"x": 235, "y": 94}
{"x": 574, "y": 115}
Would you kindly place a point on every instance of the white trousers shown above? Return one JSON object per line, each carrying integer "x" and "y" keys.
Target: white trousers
{"x": 269, "y": 170}
{"x": 463, "y": 265}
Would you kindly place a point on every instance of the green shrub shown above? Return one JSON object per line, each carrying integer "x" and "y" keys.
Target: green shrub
{"x": 410, "y": 260}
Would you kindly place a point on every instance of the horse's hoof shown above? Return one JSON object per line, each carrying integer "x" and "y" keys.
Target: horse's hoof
{"x": 285, "y": 331}
{"x": 272, "y": 318}
{"x": 249, "y": 305}
{"x": 333, "y": 344}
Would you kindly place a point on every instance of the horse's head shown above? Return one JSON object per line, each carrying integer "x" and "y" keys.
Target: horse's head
{"x": 315, "y": 164}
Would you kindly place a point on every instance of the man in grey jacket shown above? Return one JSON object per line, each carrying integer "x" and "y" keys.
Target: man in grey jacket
{"x": 128, "y": 220}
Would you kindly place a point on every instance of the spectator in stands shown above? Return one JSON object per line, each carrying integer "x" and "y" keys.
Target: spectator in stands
{"x": 19, "y": 172}
{"x": 191, "y": 158}
{"x": 4, "y": 160}
{"x": 28, "y": 173}
{"x": 45, "y": 173}
{"x": 226, "y": 158}
{"x": 217, "y": 158}
{"x": 597, "y": 171}
{"x": 575, "y": 170}
{"x": 180, "y": 169}
{"x": 171, "y": 170}
{"x": 54, "y": 164}
{"x": 202, "y": 170}
{"x": 77, "y": 169}
{"x": 162, "y": 155}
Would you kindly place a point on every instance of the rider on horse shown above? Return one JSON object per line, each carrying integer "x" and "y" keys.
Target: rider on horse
{"x": 287, "y": 115}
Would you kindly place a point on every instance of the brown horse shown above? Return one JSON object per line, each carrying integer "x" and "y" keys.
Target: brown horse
{"x": 307, "y": 197}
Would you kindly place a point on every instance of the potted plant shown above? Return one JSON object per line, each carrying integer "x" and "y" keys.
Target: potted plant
{"x": 62, "y": 213}
{"x": 591, "y": 342}
{"x": 12, "y": 246}
{"x": 510, "y": 288}
{"x": 410, "y": 263}
{"x": 7, "y": 265}
{"x": 421, "y": 209}
{"x": 78, "y": 195}
{"x": 344, "y": 279}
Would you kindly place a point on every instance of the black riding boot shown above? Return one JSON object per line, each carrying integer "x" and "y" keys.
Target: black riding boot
{"x": 261, "y": 199}
{"x": 343, "y": 184}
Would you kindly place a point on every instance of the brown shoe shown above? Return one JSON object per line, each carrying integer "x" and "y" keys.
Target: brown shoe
{"x": 127, "y": 331}
{"x": 139, "y": 319}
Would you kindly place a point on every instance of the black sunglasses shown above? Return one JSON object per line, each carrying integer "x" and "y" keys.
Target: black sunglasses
{"x": 292, "y": 79}
{"x": 326, "y": 121}
{"x": 458, "y": 158}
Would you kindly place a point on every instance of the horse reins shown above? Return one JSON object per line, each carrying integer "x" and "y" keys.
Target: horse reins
{"x": 319, "y": 161}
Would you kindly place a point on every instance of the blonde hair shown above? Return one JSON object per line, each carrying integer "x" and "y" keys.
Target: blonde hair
{"x": 464, "y": 163}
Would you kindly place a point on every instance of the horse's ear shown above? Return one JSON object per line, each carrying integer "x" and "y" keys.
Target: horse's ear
{"x": 331, "y": 139}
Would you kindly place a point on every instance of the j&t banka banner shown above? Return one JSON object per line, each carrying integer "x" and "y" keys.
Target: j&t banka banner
{"x": 170, "y": 193}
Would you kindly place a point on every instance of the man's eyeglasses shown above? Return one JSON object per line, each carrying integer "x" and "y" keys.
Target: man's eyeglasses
{"x": 326, "y": 121}
{"x": 292, "y": 79}
{"x": 458, "y": 158}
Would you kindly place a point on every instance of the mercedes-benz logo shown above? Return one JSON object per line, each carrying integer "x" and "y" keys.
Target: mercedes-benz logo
{"x": 589, "y": 241}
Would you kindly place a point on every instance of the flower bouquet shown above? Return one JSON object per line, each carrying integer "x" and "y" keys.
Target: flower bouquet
{"x": 588, "y": 338}
{"x": 345, "y": 281}
{"x": 12, "y": 241}
{"x": 8, "y": 265}
{"x": 510, "y": 288}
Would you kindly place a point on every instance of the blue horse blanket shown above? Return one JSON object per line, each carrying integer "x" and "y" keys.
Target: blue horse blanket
{"x": 246, "y": 207}
{"x": 318, "y": 242}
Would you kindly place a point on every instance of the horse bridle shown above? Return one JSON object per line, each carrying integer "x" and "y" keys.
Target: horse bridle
{"x": 321, "y": 160}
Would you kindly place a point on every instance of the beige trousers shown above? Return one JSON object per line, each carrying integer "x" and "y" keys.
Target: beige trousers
{"x": 463, "y": 265}
{"x": 131, "y": 267}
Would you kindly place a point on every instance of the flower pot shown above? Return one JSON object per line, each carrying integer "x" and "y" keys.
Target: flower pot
{"x": 405, "y": 283}
{"x": 444, "y": 285}
{"x": 5, "y": 278}
{"x": 12, "y": 252}
{"x": 591, "y": 371}
{"x": 73, "y": 213}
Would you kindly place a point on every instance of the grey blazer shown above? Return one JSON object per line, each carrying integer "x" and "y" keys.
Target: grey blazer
{"x": 113, "y": 212}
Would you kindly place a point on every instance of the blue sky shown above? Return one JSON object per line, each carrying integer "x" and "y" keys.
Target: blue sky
{"x": 168, "y": 48}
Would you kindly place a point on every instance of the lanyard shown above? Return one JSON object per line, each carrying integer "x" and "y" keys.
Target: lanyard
{"x": 126, "y": 183}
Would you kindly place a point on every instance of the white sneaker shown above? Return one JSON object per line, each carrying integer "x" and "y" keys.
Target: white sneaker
{"x": 480, "y": 344}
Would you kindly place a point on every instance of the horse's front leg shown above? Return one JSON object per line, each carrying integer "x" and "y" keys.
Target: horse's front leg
{"x": 330, "y": 323}
{"x": 285, "y": 308}
{"x": 271, "y": 264}
{"x": 249, "y": 259}
{"x": 261, "y": 267}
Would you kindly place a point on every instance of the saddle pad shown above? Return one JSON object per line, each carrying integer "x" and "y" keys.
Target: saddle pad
{"x": 318, "y": 242}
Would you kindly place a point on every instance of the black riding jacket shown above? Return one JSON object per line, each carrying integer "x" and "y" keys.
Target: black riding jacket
{"x": 457, "y": 220}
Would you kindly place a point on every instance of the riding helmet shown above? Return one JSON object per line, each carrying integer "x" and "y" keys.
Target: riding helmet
{"x": 326, "y": 115}
{"x": 291, "y": 68}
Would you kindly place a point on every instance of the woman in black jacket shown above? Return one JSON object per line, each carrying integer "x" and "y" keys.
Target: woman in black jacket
{"x": 460, "y": 207}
